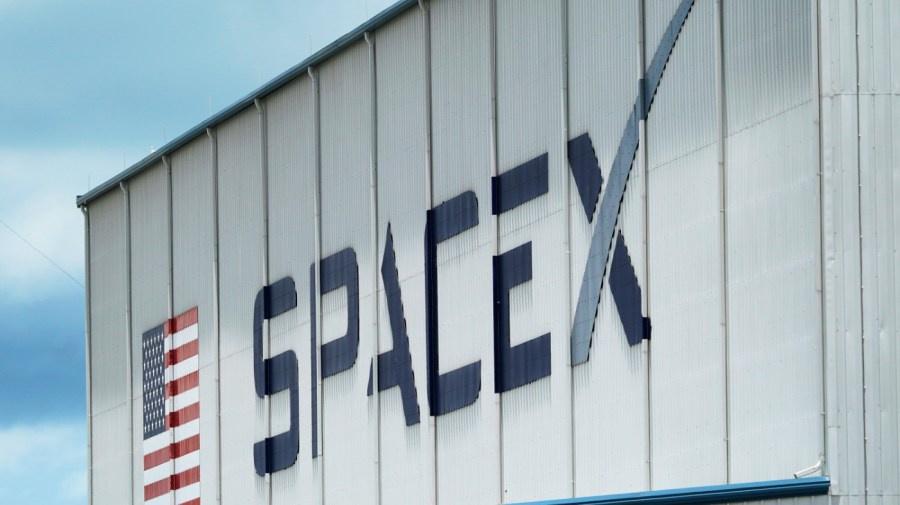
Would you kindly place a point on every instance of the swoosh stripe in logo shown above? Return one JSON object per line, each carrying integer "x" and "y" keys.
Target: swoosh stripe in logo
{"x": 601, "y": 240}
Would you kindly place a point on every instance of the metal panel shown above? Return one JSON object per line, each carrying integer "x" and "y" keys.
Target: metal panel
{"x": 687, "y": 369}
{"x": 111, "y": 454}
{"x": 536, "y": 417}
{"x": 193, "y": 230}
{"x": 243, "y": 424}
{"x": 292, "y": 191}
{"x": 774, "y": 305}
{"x": 610, "y": 451}
{"x": 467, "y": 440}
{"x": 148, "y": 197}
{"x": 769, "y": 65}
{"x": 401, "y": 93}
{"x": 108, "y": 356}
{"x": 350, "y": 438}
{"x": 880, "y": 222}
{"x": 241, "y": 252}
{"x": 841, "y": 250}
{"x": 193, "y": 254}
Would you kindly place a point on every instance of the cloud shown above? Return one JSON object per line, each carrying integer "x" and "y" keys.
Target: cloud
{"x": 43, "y": 463}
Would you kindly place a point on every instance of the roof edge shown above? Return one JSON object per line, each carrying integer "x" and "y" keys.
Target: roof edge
{"x": 266, "y": 89}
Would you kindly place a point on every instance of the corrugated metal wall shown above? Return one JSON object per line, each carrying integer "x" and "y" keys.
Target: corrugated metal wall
{"x": 858, "y": 68}
{"x": 467, "y": 440}
{"x": 348, "y": 424}
{"x": 772, "y": 223}
{"x": 405, "y": 451}
{"x": 241, "y": 254}
{"x": 535, "y": 418}
{"x": 687, "y": 361}
{"x": 149, "y": 297}
{"x": 292, "y": 230}
{"x": 609, "y": 450}
{"x": 758, "y": 217}
{"x": 110, "y": 409}
{"x": 194, "y": 285}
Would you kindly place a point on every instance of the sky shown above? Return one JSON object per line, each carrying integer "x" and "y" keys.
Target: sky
{"x": 86, "y": 90}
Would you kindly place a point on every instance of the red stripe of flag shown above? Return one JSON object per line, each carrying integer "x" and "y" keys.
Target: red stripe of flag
{"x": 181, "y": 321}
{"x": 195, "y": 501}
{"x": 172, "y": 483}
{"x": 182, "y": 353}
{"x": 178, "y": 386}
{"x": 183, "y": 416}
{"x": 176, "y": 450}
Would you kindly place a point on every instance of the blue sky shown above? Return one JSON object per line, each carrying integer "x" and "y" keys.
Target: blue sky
{"x": 87, "y": 89}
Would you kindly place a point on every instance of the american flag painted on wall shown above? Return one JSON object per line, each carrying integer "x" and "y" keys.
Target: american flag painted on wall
{"x": 172, "y": 412}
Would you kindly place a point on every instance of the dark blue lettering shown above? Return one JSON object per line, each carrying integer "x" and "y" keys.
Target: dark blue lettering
{"x": 273, "y": 375}
{"x": 458, "y": 388}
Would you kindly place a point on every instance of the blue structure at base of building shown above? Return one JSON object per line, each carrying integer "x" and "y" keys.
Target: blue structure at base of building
{"x": 728, "y": 493}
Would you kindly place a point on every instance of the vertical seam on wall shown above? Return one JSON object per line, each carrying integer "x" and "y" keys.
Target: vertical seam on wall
{"x": 646, "y": 343}
{"x": 495, "y": 219}
{"x": 817, "y": 63}
{"x": 128, "y": 336}
{"x": 87, "y": 354}
{"x": 859, "y": 221}
{"x": 264, "y": 175}
{"x": 564, "y": 75}
{"x": 723, "y": 203}
{"x": 214, "y": 162}
{"x": 429, "y": 202}
{"x": 317, "y": 256}
{"x": 171, "y": 291}
{"x": 373, "y": 202}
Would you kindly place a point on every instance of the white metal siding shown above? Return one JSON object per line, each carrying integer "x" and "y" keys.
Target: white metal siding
{"x": 841, "y": 250}
{"x": 240, "y": 278}
{"x": 467, "y": 445}
{"x": 536, "y": 417}
{"x": 879, "y": 179}
{"x": 401, "y": 73}
{"x": 292, "y": 190}
{"x": 109, "y": 397}
{"x": 149, "y": 212}
{"x": 349, "y": 436}
{"x": 610, "y": 392}
{"x": 687, "y": 369}
{"x": 193, "y": 231}
{"x": 772, "y": 216}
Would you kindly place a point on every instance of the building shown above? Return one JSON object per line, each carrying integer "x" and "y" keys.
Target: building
{"x": 510, "y": 251}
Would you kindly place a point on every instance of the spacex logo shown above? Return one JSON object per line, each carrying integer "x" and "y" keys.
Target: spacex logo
{"x": 514, "y": 366}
